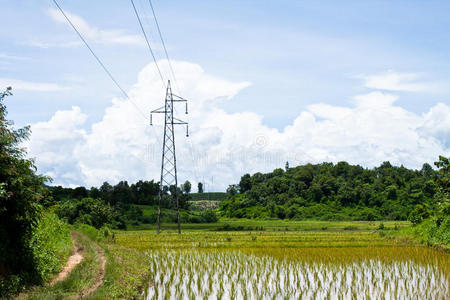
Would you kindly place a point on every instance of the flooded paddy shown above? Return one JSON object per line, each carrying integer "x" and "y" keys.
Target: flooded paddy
{"x": 300, "y": 273}
{"x": 281, "y": 264}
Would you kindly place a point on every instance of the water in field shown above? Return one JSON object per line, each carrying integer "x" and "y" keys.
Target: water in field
{"x": 330, "y": 273}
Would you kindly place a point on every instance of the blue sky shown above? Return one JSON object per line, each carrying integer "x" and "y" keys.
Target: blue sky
{"x": 294, "y": 53}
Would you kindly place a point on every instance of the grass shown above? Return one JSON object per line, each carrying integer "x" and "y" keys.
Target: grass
{"x": 79, "y": 279}
{"x": 287, "y": 259}
{"x": 429, "y": 233}
{"x": 126, "y": 276}
{"x": 263, "y": 259}
{"x": 279, "y": 225}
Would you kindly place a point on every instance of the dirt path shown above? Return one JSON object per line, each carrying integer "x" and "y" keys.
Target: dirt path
{"x": 101, "y": 274}
{"x": 75, "y": 259}
{"x": 72, "y": 262}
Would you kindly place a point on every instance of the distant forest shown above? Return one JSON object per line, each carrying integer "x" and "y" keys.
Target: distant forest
{"x": 330, "y": 191}
{"x": 120, "y": 204}
{"x": 324, "y": 191}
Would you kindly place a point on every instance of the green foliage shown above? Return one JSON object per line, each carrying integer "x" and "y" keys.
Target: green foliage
{"x": 51, "y": 244}
{"x": 432, "y": 232}
{"x": 104, "y": 234}
{"x": 21, "y": 195}
{"x": 209, "y": 216}
{"x": 91, "y": 212}
{"x": 116, "y": 205}
{"x": 332, "y": 192}
{"x": 200, "y": 187}
{"x": 212, "y": 196}
{"x": 418, "y": 214}
{"x": 186, "y": 187}
{"x": 432, "y": 224}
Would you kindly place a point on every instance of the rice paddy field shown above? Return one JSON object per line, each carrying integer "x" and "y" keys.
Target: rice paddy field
{"x": 335, "y": 263}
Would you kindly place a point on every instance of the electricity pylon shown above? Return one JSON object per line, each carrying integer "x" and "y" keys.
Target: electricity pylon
{"x": 169, "y": 160}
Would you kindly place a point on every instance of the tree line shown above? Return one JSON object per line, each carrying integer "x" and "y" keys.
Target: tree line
{"x": 330, "y": 191}
{"x": 120, "y": 204}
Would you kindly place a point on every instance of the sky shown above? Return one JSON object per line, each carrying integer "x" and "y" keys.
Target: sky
{"x": 267, "y": 82}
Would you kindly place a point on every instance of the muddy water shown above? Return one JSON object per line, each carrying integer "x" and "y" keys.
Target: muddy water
{"x": 240, "y": 274}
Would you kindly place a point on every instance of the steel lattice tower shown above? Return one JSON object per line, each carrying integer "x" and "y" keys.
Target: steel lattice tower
{"x": 169, "y": 160}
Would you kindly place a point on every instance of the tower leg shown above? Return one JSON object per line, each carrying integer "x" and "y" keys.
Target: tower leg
{"x": 178, "y": 214}
{"x": 158, "y": 224}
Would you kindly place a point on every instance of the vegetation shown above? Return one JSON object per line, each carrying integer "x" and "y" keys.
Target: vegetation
{"x": 51, "y": 244}
{"x": 238, "y": 275}
{"x": 432, "y": 226}
{"x": 333, "y": 192}
{"x": 29, "y": 251}
{"x": 125, "y": 276}
{"x": 211, "y": 196}
{"x": 80, "y": 279}
{"x": 290, "y": 264}
{"x": 125, "y": 205}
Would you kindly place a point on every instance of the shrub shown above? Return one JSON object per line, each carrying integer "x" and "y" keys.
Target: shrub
{"x": 22, "y": 192}
{"x": 209, "y": 216}
{"x": 418, "y": 214}
{"x": 51, "y": 244}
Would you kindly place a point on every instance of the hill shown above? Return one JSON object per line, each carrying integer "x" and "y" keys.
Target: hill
{"x": 330, "y": 191}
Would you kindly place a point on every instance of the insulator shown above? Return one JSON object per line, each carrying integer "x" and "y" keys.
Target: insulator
{"x": 187, "y": 130}
{"x": 186, "y": 108}
{"x": 151, "y": 123}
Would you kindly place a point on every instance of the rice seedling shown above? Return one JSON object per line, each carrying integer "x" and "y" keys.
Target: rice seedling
{"x": 236, "y": 275}
{"x": 289, "y": 265}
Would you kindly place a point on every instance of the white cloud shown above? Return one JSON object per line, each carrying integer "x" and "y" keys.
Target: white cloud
{"x": 53, "y": 144}
{"x": 12, "y": 57}
{"x": 394, "y": 81}
{"x": 223, "y": 146}
{"x": 31, "y": 86}
{"x": 105, "y": 36}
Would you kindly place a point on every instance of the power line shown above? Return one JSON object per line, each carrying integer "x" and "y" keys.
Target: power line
{"x": 98, "y": 59}
{"x": 148, "y": 43}
{"x": 191, "y": 151}
{"x": 164, "y": 44}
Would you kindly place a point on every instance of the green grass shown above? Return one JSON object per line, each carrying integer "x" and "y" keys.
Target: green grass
{"x": 428, "y": 232}
{"x": 278, "y": 225}
{"x": 81, "y": 277}
{"x": 129, "y": 267}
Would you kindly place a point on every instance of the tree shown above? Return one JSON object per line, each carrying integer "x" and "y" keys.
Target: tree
{"x": 245, "y": 184}
{"x": 200, "y": 187}
{"x": 427, "y": 170}
{"x": 186, "y": 187}
{"x": 79, "y": 192}
{"x": 232, "y": 189}
{"x": 21, "y": 194}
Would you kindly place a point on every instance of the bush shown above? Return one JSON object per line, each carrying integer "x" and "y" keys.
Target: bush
{"x": 92, "y": 212}
{"x": 51, "y": 244}
{"x": 418, "y": 214}
{"x": 22, "y": 192}
{"x": 209, "y": 216}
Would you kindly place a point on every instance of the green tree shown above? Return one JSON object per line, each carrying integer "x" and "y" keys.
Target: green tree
{"x": 21, "y": 194}
{"x": 187, "y": 187}
{"x": 200, "y": 187}
{"x": 245, "y": 184}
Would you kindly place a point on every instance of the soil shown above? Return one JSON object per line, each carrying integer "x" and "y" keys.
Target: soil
{"x": 72, "y": 262}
